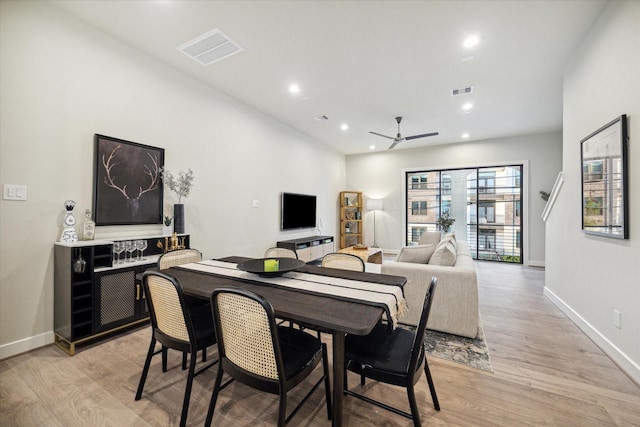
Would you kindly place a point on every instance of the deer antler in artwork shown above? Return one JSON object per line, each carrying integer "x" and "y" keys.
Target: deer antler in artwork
{"x": 108, "y": 165}
{"x": 153, "y": 172}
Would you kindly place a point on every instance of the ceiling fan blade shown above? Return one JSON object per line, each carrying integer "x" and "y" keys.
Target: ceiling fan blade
{"x": 421, "y": 136}
{"x": 395, "y": 142}
{"x": 379, "y": 134}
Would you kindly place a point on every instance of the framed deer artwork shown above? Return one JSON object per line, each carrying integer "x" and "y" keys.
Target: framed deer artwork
{"x": 127, "y": 182}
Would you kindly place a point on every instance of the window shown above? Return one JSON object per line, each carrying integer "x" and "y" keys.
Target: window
{"x": 487, "y": 239}
{"x": 419, "y": 207}
{"x": 446, "y": 206}
{"x": 593, "y": 171}
{"x": 416, "y": 233}
{"x": 419, "y": 182}
{"x": 487, "y": 182}
{"x": 446, "y": 184}
{"x": 485, "y": 202}
{"x": 487, "y": 212}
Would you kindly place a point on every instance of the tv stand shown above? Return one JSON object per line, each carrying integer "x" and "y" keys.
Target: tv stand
{"x": 309, "y": 248}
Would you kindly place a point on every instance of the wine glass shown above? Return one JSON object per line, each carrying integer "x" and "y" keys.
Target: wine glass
{"x": 136, "y": 246}
{"x": 129, "y": 246}
{"x": 143, "y": 246}
{"x": 118, "y": 247}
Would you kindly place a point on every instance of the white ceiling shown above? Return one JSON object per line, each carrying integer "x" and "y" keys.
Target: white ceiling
{"x": 366, "y": 62}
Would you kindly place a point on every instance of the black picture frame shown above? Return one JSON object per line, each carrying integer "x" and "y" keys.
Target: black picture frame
{"x": 128, "y": 186}
{"x": 605, "y": 193}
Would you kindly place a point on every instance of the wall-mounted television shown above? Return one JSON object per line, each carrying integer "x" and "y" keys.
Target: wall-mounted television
{"x": 298, "y": 211}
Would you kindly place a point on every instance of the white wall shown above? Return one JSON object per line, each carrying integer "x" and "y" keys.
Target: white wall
{"x": 589, "y": 276}
{"x": 60, "y": 83}
{"x": 379, "y": 175}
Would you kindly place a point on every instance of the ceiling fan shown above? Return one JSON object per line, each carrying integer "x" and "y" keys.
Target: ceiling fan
{"x": 398, "y": 139}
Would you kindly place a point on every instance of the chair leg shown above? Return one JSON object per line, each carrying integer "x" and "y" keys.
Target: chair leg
{"x": 164, "y": 359}
{"x": 187, "y": 391}
{"x": 327, "y": 383}
{"x": 432, "y": 387}
{"x": 214, "y": 396}
{"x": 145, "y": 370}
{"x": 282, "y": 408}
{"x": 204, "y": 354}
{"x": 362, "y": 378}
{"x": 415, "y": 414}
{"x": 184, "y": 360}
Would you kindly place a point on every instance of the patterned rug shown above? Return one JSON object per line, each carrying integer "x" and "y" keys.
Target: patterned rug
{"x": 472, "y": 352}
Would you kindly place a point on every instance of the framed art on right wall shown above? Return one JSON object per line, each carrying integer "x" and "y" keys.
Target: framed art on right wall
{"x": 605, "y": 199}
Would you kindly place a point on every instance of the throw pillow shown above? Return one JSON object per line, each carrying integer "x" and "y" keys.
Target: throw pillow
{"x": 450, "y": 237}
{"x": 444, "y": 255}
{"x": 430, "y": 238}
{"x": 417, "y": 254}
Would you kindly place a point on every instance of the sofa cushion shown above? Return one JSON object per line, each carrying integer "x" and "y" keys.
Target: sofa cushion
{"x": 418, "y": 254}
{"x": 430, "y": 238}
{"x": 444, "y": 254}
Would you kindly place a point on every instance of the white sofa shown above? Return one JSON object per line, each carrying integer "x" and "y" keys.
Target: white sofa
{"x": 454, "y": 308}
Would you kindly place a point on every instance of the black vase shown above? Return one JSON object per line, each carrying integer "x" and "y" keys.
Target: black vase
{"x": 178, "y": 218}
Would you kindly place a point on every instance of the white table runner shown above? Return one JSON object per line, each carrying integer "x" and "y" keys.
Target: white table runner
{"x": 389, "y": 296}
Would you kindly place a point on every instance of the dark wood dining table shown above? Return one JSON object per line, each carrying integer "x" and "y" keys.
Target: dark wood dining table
{"x": 327, "y": 313}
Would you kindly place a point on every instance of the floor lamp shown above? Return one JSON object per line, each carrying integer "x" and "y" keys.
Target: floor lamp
{"x": 374, "y": 205}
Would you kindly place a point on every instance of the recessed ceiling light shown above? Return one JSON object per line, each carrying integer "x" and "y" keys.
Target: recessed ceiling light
{"x": 471, "y": 41}
{"x": 344, "y": 126}
{"x": 464, "y": 135}
{"x": 467, "y": 106}
{"x": 372, "y": 147}
{"x": 294, "y": 88}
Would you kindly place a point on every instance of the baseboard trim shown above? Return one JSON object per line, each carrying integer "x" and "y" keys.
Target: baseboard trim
{"x": 533, "y": 263}
{"x": 631, "y": 368}
{"x": 26, "y": 344}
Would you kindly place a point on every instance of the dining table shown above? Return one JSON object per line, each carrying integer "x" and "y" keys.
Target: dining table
{"x": 328, "y": 313}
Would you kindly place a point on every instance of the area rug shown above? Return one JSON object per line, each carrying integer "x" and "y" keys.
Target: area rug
{"x": 472, "y": 352}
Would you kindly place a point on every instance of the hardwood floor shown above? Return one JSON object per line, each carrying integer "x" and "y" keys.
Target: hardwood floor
{"x": 546, "y": 372}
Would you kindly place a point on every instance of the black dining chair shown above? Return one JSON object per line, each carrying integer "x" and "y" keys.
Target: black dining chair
{"x": 175, "y": 326}
{"x": 393, "y": 358}
{"x": 258, "y": 353}
{"x": 173, "y": 259}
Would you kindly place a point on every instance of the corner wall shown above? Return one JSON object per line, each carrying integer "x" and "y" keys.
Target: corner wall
{"x": 380, "y": 175}
{"x": 61, "y": 82}
{"x": 590, "y": 276}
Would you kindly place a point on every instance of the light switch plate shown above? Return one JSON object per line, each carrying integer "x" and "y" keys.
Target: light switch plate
{"x": 14, "y": 192}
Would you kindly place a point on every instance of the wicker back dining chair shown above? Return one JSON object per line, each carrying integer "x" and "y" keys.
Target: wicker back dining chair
{"x": 280, "y": 253}
{"x": 173, "y": 259}
{"x": 395, "y": 358}
{"x": 343, "y": 262}
{"x": 175, "y": 326}
{"x": 260, "y": 354}
{"x": 178, "y": 257}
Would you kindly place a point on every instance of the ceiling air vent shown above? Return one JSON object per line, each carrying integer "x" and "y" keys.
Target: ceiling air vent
{"x": 462, "y": 91}
{"x": 321, "y": 118}
{"x": 210, "y": 47}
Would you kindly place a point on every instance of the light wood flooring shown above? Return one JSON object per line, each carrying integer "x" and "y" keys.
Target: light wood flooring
{"x": 546, "y": 373}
